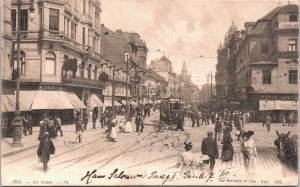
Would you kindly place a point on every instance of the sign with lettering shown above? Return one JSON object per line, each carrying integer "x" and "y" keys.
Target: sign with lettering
{"x": 288, "y": 54}
{"x": 288, "y": 25}
{"x": 279, "y": 97}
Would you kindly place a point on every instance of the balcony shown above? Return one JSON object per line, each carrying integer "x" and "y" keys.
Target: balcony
{"x": 84, "y": 82}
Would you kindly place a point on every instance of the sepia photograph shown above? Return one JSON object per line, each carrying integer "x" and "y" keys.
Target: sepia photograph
{"x": 149, "y": 92}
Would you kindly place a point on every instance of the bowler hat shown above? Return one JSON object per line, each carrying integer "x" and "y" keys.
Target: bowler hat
{"x": 209, "y": 133}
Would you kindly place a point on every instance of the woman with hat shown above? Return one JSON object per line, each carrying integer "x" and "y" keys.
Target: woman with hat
{"x": 128, "y": 127}
{"x": 46, "y": 147}
{"x": 249, "y": 152}
{"x": 187, "y": 160}
{"x": 113, "y": 133}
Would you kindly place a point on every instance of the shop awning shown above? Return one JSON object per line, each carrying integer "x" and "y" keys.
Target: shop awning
{"x": 95, "y": 101}
{"x": 74, "y": 100}
{"x": 8, "y": 102}
{"x": 286, "y": 105}
{"x": 278, "y": 105}
{"x": 108, "y": 103}
{"x": 50, "y": 100}
{"x": 267, "y": 105}
{"x": 133, "y": 103}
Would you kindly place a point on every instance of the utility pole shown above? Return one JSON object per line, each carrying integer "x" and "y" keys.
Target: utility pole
{"x": 113, "y": 91}
{"x": 127, "y": 74}
{"x": 211, "y": 89}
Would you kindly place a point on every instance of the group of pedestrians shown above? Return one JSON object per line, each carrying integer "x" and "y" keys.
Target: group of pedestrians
{"x": 27, "y": 124}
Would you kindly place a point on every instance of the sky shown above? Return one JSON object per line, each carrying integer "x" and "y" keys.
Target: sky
{"x": 184, "y": 30}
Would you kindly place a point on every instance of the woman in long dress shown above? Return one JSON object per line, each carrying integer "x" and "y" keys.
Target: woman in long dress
{"x": 113, "y": 133}
{"x": 249, "y": 152}
{"x": 227, "y": 151}
{"x": 128, "y": 127}
{"x": 187, "y": 160}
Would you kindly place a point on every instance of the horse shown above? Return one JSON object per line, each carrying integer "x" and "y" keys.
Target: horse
{"x": 287, "y": 150}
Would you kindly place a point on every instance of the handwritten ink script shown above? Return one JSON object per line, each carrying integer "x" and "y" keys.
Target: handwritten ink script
{"x": 164, "y": 177}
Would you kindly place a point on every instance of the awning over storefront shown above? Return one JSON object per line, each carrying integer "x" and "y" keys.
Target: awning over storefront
{"x": 133, "y": 103}
{"x": 277, "y": 105}
{"x": 74, "y": 100}
{"x": 95, "y": 101}
{"x": 108, "y": 103}
{"x": 286, "y": 105}
{"x": 8, "y": 102}
{"x": 50, "y": 100}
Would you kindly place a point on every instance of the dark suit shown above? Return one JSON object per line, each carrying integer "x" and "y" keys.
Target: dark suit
{"x": 209, "y": 147}
{"x": 46, "y": 148}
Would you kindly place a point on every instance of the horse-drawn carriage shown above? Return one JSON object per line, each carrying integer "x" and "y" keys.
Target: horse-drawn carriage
{"x": 171, "y": 113}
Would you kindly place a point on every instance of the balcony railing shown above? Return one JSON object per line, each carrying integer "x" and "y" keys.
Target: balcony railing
{"x": 82, "y": 81}
{"x": 288, "y": 54}
{"x": 288, "y": 25}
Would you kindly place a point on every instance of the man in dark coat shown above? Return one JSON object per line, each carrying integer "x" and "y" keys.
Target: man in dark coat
{"x": 218, "y": 129}
{"x": 209, "y": 147}
{"x": 30, "y": 123}
{"x": 139, "y": 123}
{"x": 102, "y": 120}
{"x": 94, "y": 119}
{"x": 46, "y": 148}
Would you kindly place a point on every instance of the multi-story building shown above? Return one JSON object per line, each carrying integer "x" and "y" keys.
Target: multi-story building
{"x": 60, "y": 52}
{"x": 154, "y": 85}
{"x": 267, "y": 64}
{"x": 163, "y": 67}
{"x": 208, "y": 94}
{"x": 225, "y": 75}
{"x": 124, "y": 49}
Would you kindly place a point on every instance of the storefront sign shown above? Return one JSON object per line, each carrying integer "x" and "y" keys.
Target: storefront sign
{"x": 288, "y": 54}
{"x": 288, "y": 25}
{"x": 278, "y": 97}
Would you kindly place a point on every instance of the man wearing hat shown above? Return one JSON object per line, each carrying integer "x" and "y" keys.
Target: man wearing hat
{"x": 46, "y": 147}
{"x": 209, "y": 147}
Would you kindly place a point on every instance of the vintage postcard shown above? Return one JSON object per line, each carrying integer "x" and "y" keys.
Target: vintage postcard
{"x": 149, "y": 92}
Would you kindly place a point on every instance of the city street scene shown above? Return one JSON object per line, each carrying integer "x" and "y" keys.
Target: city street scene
{"x": 149, "y": 92}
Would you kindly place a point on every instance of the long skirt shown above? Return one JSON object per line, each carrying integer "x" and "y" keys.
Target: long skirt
{"x": 113, "y": 133}
{"x": 227, "y": 152}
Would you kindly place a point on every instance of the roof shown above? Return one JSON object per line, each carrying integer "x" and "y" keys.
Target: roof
{"x": 284, "y": 9}
{"x": 260, "y": 28}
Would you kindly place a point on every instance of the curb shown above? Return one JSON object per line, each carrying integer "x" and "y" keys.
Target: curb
{"x": 19, "y": 151}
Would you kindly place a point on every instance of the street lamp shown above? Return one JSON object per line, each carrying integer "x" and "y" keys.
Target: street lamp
{"x": 17, "y": 121}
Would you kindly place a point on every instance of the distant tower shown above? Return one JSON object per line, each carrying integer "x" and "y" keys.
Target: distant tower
{"x": 185, "y": 76}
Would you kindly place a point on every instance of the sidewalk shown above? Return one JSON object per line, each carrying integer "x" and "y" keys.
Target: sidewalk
{"x": 31, "y": 141}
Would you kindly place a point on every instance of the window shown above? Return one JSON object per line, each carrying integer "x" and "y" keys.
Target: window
{"x": 94, "y": 42}
{"x": 83, "y": 35}
{"x": 293, "y": 76}
{"x": 84, "y": 4}
{"x": 89, "y": 37}
{"x": 96, "y": 73}
{"x": 50, "y": 63}
{"x": 292, "y": 45}
{"x": 90, "y": 71}
{"x": 264, "y": 48}
{"x": 53, "y": 19}
{"x": 73, "y": 30}
{"x": 293, "y": 18}
{"x": 13, "y": 19}
{"x": 68, "y": 26}
{"x": 22, "y": 62}
{"x": 266, "y": 76}
{"x": 24, "y": 20}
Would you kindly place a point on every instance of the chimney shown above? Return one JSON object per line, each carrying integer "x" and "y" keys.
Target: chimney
{"x": 119, "y": 32}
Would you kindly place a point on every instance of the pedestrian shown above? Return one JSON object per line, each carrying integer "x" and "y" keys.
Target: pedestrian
{"x": 249, "y": 152}
{"x": 291, "y": 119}
{"x": 78, "y": 129}
{"x": 187, "y": 160}
{"x": 209, "y": 147}
{"x": 193, "y": 118}
{"x": 128, "y": 127}
{"x": 204, "y": 115}
{"x": 30, "y": 123}
{"x": 109, "y": 127}
{"x": 227, "y": 150}
{"x": 212, "y": 118}
{"x": 102, "y": 120}
{"x": 46, "y": 147}
{"x": 240, "y": 115}
{"x": 218, "y": 130}
{"x": 58, "y": 125}
{"x": 239, "y": 130}
{"x": 25, "y": 124}
{"x": 43, "y": 126}
{"x": 245, "y": 117}
{"x": 94, "y": 119}
{"x": 268, "y": 122}
{"x": 139, "y": 124}
{"x": 197, "y": 118}
{"x": 227, "y": 124}
{"x": 85, "y": 121}
{"x": 264, "y": 119}
{"x": 208, "y": 117}
{"x": 113, "y": 133}
{"x": 148, "y": 111}
{"x": 51, "y": 127}
{"x": 145, "y": 110}
{"x": 283, "y": 120}
{"x": 180, "y": 122}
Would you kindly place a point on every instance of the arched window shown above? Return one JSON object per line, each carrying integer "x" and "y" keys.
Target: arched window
{"x": 50, "y": 63}
{"x": 89, "y": 71}
{"x": 96, "y": 73}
